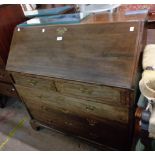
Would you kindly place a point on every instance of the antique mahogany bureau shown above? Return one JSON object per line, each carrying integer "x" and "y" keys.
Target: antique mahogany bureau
{"x": 81, "y": 78}
{"x": 10, "y": 16}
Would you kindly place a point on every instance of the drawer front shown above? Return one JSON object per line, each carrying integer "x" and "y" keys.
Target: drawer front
{"x": 34, "y": 82}
{"x": 72, "y": 105}
{"x": 105, "y": 133}
{"x": 7, "y": 89}
{"x": 90, "y": 92}
{"x": 4, "y": 76}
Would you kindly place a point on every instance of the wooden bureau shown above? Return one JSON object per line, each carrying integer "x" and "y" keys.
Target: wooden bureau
{"x": 85, "y": 83}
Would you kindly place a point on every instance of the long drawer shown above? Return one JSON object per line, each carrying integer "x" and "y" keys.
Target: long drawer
{"x": 72, "y": 105}
{"x": 90, "y": 92}
{"x": 90, "y": 128}
{"x": 7, "y": 89}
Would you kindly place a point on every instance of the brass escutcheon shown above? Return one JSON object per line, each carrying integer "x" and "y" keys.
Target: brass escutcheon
{"x": 61, "y": 30}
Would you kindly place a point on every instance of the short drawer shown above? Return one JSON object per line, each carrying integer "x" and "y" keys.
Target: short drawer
{"x": 90, "y": 92}
{"x": 72, "y": 105}
{"x": 4, "y": 76}
{"x": 34, "y": 82}
{"x": 7, "y": 89}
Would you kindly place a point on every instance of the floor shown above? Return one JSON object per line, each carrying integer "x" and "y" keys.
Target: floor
{"x": 17, "y": 135}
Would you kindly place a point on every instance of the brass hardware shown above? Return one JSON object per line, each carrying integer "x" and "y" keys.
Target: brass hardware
{"x": 89, "y": 107}
{"x": 61, "y": 30}
{"x": 93, "y": 135}
{"x": 33, "y": 82}
{"x": 86, "y": 90}
{"x": 91, "y": 122}
{"x": 41, "y": 96}
{"x": 68, "y": 123}
{"x": 64, "y": 110}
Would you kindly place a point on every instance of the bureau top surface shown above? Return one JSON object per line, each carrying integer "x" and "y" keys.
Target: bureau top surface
{"x": 77, "y": 18}
{"x": 101, "y": 53}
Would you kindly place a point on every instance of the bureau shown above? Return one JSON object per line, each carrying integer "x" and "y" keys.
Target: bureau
{"x": 81, "y": 78}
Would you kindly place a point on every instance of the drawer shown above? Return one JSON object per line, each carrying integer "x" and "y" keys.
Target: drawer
{"x": 34, "y": 82}
{"x": 7, "y": 89}
{"x": 105, "y": 133}
{"x": 72, "y": 105}
{"x": 4, "y": 76}
{"x": 90, "y": 92}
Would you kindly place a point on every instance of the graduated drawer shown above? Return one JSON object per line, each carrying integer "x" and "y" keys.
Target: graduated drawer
{"x": 4, "y": 76}
{"x": 71, "y": 105}
{"x": 7, "y": 89}
{"x": 106, "y": 133}
{"x": 90, "y": 92}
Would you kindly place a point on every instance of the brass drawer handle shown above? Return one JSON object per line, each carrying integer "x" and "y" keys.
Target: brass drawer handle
{"x": 68, "y": 123}
{"x": 33, "y": 82}
{"x": 41, "y": 96}
{"x": 91, "y": 122}
{"x": 89, "y": 107}
{"x": 44, "y": 108}
{"x": 86, "y": 90}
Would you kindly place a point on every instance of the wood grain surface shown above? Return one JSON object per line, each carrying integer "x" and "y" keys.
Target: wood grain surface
{"x": 96, "y": 53}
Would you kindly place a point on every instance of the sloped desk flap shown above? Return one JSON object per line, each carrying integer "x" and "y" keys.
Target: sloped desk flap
{"x": 93, "y": 52}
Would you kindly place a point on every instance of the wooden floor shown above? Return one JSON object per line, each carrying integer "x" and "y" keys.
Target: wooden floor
{"x": 17, "y": 134}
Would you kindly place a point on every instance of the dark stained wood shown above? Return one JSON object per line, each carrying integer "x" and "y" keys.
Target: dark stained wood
{"x": 7, "y": 89}
{"x": 90, "y": 57}
{"x": 5, "y": 76}
{"x": 10, "y": 16}
{"x": 85, "y": 84}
